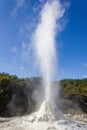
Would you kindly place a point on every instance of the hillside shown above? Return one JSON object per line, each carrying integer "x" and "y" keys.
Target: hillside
{"x": 16, "y": 95}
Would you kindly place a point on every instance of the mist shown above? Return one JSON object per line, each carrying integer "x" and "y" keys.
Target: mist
{"x": 44, "y": 42}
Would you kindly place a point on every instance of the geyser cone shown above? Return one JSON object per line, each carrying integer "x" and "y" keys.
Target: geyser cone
{"x": 48, "y": 112}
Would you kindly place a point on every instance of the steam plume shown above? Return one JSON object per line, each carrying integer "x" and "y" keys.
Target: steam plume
{"x": 44, "y": 39}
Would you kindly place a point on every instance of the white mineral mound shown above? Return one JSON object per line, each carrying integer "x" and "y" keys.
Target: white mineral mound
{"x": 48, "y": 113}
{"x": 47, "y": 118}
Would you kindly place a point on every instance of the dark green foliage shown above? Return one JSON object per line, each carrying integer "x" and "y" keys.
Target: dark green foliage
{"x": 16, "y": 95}
{"x": 75, "y": 90}
{"x": 5, "y": 91}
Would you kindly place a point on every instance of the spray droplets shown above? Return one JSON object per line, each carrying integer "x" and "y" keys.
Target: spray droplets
{"x": 44, "y": 40}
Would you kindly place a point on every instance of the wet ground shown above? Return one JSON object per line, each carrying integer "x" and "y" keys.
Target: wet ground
{"x": 44, "y": 119}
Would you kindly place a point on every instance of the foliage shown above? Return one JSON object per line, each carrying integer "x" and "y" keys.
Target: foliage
{"x": 75, "y": 89}
{"x": 5, "y": 90}
{"x": 16, "y": 94}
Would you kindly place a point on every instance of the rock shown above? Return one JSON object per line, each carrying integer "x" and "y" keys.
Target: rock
{"x": 44, "y": 119}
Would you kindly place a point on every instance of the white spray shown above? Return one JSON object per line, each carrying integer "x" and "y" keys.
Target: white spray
{"x": 44, "y": 39}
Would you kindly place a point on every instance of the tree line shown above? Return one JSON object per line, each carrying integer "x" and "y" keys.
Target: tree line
{"x": 16, "y": 93}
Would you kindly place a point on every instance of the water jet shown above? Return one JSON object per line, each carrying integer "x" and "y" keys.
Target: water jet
{"x": 48, "y": 117}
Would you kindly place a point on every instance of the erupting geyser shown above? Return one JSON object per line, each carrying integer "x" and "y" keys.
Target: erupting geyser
{"x": 44, "y": 39}
{"x": 48, "y": 117}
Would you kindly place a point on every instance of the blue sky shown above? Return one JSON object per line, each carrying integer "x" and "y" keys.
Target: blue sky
{"x": 18, "y": 19}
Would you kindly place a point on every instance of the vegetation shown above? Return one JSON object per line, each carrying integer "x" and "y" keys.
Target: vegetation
{"x": 75, "y": 90}
{"x": 16, "y": 94}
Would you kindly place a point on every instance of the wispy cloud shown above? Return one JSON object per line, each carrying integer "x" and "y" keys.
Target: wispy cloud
{"x": 5, "y": 64}
{"x": 14, "y": 49}
{"x": 85, "y": 64}
{"x": 85, "y": 76}
{"x": 21, "y": 68}
{"x": 67, "y": 4}
{"x": 19, "y": 4}
{"x": 41, "y": 0}
{"x": 26, "y": 52}
{"x": 24, "y": 45}
{"x": 25, "y": 29}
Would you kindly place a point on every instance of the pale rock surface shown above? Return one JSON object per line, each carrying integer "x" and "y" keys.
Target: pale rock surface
{"x": 47, "y": 118}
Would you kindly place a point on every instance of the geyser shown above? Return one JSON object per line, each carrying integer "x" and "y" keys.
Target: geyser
{"x": 48, "y": 117}
{"x": 44, "y": 39}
